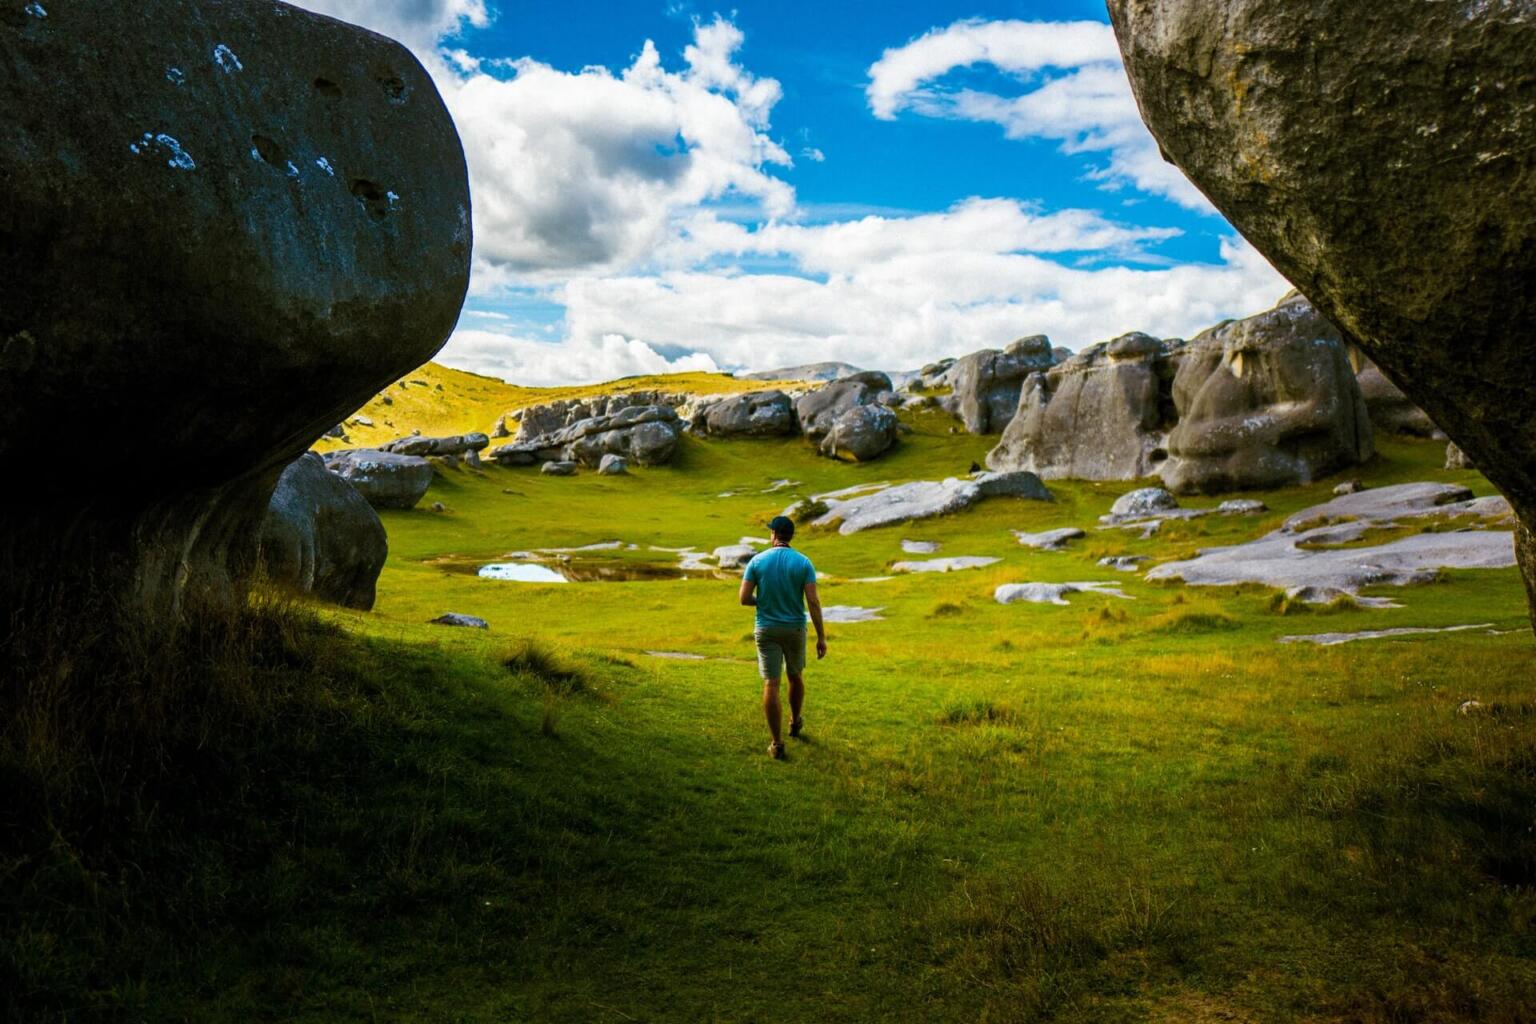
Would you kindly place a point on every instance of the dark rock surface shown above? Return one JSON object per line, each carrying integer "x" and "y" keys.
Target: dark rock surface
{"x": 825, "y": 412}
{"x": 861, "y": 433}
{"x": 1267, "y": 401}
{"x": 538, "y": 421}
{"x": 384, "y": 479}
{"x": 644, "y": 434}
{"x": 754, "y": 414}
{"x": 319, "y": 536}
{"x": 987, "y": 383}
{"x": 1103, "y": 414}
{"x": 458, "y": 444}
{"x": 1385, "y": 162}
{"x": 225, "y": 227}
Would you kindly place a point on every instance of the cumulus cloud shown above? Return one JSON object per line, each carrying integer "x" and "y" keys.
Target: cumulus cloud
{"x": 419, "y": 24}
{"x": 1075, "y": 93}
{"x": 541, "y": 363}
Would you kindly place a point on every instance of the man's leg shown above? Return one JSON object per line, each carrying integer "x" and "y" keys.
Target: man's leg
{"x": 771, "y": 706}
{"x": 796, "y": 698}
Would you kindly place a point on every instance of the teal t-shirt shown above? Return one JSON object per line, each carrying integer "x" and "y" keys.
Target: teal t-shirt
{"x": 781, "y": 575}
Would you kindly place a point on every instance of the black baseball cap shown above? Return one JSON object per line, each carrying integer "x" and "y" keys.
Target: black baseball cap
{"x": 782, "y": 527}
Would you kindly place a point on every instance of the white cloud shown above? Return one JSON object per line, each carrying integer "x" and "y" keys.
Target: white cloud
{"x": 541, "y": 363}
{"x": 419, "y": 24}
{"x": 1076, "y": 94}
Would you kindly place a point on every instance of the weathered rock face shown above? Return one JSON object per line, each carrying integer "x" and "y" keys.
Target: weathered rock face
{"x": 538, "y": 421}
{"x": 861, "y": 433}
{"x": 319, "y": 536}
{"x": 987, "y": 383}
{"x": 1103, "y": 414}
{"x": 824, "y": 411}
{"x": 271, "y": 211}
{"x": 1392, "y": 412}
{"x": 1267, "y": 401}
{"x": 1385, "y": 162}
{"x": 755, "y": 414}
{"x": 644, "y": 434}
{"x": 458, "y": 444}
{"x": 1455, "y": 458}
{"x": 384, "y": 479}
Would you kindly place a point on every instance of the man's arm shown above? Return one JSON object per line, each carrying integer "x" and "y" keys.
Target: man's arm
{"x": 813, "y": 605}
{"x": 747, "y": 597}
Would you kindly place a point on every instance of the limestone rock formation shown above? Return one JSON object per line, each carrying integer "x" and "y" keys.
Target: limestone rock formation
{"x": 613, "y": 465}
{"x": 1101, "y": 415}
{"x": 538, "y": 421}
{"x": 811, "y": 372}
{"x": 754, "y": 414}
{"x": 1383, "y": 159}
{"x": 458, "y": 444}
{"x": 1392, "y": 412}
{"x": 224, "y": 227}
{"x": 319, "y": 536}
{"x": 644, "y": 434}
{"x": 987, "y": 383}
{"x": 822, "y": 415}
{"x": 1455, "y": 458}
{"x": 1267, "y": 401}
{"x": 384, "y": 479}
{"x": 861, "y": 508}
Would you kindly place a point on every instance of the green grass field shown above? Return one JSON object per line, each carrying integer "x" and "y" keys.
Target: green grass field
{"x": 1142, "y": 810}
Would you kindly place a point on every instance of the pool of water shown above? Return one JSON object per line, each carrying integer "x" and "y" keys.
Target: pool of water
{"x": 521, "y": 572}
{"x": 573, "y": 570}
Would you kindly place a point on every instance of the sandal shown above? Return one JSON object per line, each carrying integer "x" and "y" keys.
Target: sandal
{"x": 796, "y": 726}
{"x": 776, "y": 751}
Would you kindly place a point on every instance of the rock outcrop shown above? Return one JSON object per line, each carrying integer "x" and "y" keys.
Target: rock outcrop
{"x": 811, "y": 372}
{"x": 539, "y": 421}
{"x": 223, "y": 227}
{"x": 456, "y": 445}
{"x": 1392, "y": 412}
{"x": 987, "y": 383}
{"x": 1455, "y": 458}
{"x": 824, "y": 415}
{"x": 384, "y": 479}
{"x": 1267, "y": 401}
{"x": 861, "y": 508}
{"x": 1103, "y": 414}
{"x": 1384, "y": 162}
{"x": 646, "y": 435}
{"x": 320, "y": 537}
{"x": 754, "y": 414}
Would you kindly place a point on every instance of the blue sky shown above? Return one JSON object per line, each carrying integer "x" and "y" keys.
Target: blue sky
{"x": 674, "y": 185}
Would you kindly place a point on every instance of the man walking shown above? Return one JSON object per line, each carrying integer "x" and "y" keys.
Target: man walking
{"x": 785, "y": 581}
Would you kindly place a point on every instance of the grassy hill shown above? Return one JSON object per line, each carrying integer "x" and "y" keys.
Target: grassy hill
{"x": 1121, "y": 810}
{"x": 439, "y": 400}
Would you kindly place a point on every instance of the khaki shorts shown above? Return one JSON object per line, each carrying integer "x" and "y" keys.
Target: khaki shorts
{"x": 778, "y": 648}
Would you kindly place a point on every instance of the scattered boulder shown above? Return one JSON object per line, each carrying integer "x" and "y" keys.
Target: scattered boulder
{"x": 734, "y": 556}
{"x": 1144, "y": 501}
{"x": 1050, "y": 540}
{"x": 384, "y": 479}
{"x": 863, "y": 507}
{"x": 1268, "y": 401}
{"x": 1241, "y": 507}
{"x": 320, "y": 537}
{"x": 754, "y": 414}
{"x": 644, "y": 434}
{"x": 1350, "y": 487}
{"x": 458, "y": 444}
{"x": 987, "y": 383}
{"x": 920, "y": 547}
{"x": 456, "y": 619}
{"x": 1103, "y": 414}
{"x": 819, "y": 411}
{"x": 932, "y": 376}
{"x": 957, "y": 564}
{"x": 316, "y": 288}
{"x": 1455, "y": 458}
{"x": 1426, "y": 259}
{"x": 1391, "y": 411}
{"x": 859, "y": 434}
{"x": 1053, "y": 593}
{"x": 1123, "y": 563}
{"x": 558, "y": 468}
{"x": 613, "y": 465}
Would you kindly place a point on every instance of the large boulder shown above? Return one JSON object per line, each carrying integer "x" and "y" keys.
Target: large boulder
{"x": 384, "y": 479}
{"x": 1267, "y": 401}
{"x": 1383, "y": 157}
{"x": 824, "y": 411}
{"x": 455, "y": 445}
{"x": 224, "y": 227}
{"x": 1103, "y": 414}
{"x": 861, "y": 433}
{"x": 646, "y": 435}
{"x": 319, "y": 536}
{"x": 539, "y": 421}
{"x": 987, "y": 383}
{"x": 754, "y": 414}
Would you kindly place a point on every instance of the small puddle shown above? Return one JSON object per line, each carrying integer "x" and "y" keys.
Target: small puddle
{"x": 565, "y": 569}
{"x": 521, "y": 572}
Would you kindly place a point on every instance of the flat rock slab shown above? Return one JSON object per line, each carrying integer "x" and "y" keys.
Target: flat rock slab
{"x": 851, "y": 613}
{"x": 863, "y": 508}
{"x": 734, "y": 556}
{"x": 1287, "y": 558}
{"x": 1054, "y": 593}
{"x": 676, "y": 655}
{"x": 1334, "y": 639}
{"x": 1123, "y": 563}
{"x": 920, "y": 547}
{"x": 946, "y": 564}
{"x": 1050, "y": 540}
{"x": 456, "y": 619}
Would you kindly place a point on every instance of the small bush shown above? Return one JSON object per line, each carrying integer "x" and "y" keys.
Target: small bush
{"x": 946, "y": 610}
{"x": 1192, "y": 620}
{"x": 532, "y": 659}
{"x": 805, "y": 510}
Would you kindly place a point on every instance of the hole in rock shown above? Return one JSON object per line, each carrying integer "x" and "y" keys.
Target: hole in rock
{"x": 371, "y": 196}
{"x": 269, "y": 151}
{"x": 326, "y": 87}
{"x": 1158, "y": 455}
{"x": 393, "y": 85}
